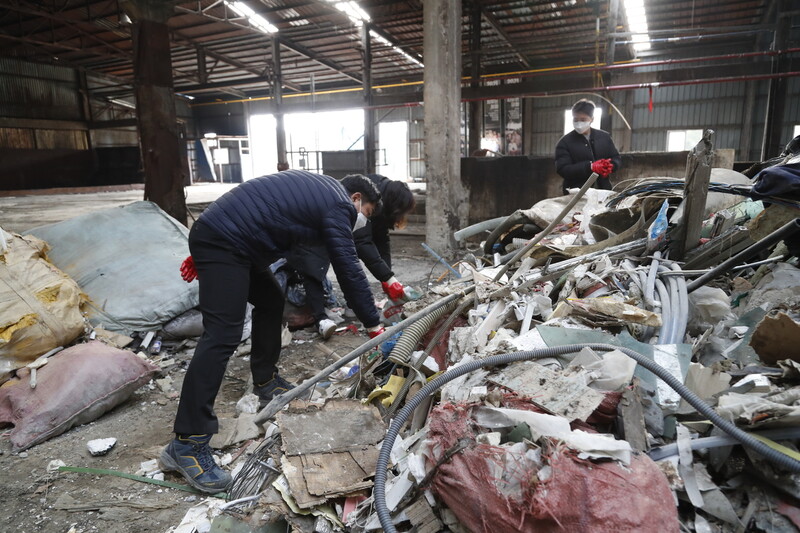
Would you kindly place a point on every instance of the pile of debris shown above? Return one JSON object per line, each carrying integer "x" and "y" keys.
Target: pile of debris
{"x": 597, "y": 368}
{"x": 607, "y": 360}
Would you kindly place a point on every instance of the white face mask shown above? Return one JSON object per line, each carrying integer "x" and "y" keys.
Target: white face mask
{"x": 361, "y": 219}
{"x": 581, "y": 127}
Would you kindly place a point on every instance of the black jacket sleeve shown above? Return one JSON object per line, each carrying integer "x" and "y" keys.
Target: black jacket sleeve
{"x": 369, "y": 252}
{"x": 568, "y": 165}
{"x": 338, "y": 236}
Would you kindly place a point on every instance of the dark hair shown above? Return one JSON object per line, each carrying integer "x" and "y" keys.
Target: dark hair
{"x": 584, "y": 106}
{"x": 357, "y": 183}
{"x": 398, "y": 201}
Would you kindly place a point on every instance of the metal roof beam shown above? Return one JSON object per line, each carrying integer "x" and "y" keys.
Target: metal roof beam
{"x": 25, "y": 8}
{"x": 297, "y": 48}
{"x": 495, "y": 24}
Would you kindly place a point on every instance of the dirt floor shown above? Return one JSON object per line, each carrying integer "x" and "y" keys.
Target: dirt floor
{"x": 33, "y": 500}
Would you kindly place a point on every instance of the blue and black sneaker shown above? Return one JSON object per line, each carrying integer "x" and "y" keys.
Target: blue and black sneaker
{"x": 190, "y": 455}
{"x": 267, "y": 391}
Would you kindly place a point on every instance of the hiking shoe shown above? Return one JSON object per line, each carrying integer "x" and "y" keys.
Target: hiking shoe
{"x": 190, "y": 455}
{"x": 326, "y": 328}
{"x": 267, "y": 391}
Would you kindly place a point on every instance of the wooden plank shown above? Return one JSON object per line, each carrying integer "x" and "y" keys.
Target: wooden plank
{"x": 340, "y": 425}
{"x": 292, "y": 468}
{"x": 631, "y": 413}
{"x": 421, "y": 516}
{"x": 334, "y": 474}
{"x": 695, "y": 192}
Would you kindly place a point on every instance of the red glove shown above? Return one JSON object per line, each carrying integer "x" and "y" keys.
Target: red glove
{"x": 375, "y": 331}
{"x": 603, "y": 167}
{"x": 188, "y": 272}
{"x": 393, "y": 289}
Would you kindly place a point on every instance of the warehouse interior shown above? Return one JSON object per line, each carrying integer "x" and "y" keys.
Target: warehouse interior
{"x": 111, "y": 104}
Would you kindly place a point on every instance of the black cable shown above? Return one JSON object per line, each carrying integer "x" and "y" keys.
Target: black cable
{"x": 379, "y": 492}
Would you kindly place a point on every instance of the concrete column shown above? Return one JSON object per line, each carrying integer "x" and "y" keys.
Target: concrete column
{"x": 475, "y": 115}
{"x": 447, "y": 202}
{"x": 277, "y": 87}
{"x": 159, "y": 134}
{"x": 369, "y": 113}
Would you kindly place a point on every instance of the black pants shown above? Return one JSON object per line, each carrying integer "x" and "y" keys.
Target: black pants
{"x": 315, "y": 297}
{"x": 228, "y": 280}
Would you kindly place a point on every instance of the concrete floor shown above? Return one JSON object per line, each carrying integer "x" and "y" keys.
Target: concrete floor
{"x": 18, "y": 214}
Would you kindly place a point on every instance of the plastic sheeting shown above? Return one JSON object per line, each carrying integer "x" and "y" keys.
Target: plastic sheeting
{"x": 127, "y": 259}
{"x": 496, "y": 488}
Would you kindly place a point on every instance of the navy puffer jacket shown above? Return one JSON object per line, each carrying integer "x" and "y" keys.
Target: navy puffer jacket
{"x": 264, "y": 216}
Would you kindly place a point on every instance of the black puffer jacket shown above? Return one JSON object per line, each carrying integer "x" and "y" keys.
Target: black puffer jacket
{"x": 575, "y": 155}
{"x": 265, "y": 216}
{"x": 372, "y": 241}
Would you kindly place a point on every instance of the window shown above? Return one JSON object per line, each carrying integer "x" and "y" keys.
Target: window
{"x": 680, "y": 140}
{"x": 568, "y": 127}
{"x": 796, "y": 131}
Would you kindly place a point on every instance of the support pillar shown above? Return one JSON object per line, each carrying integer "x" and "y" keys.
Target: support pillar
{"x": 475, "y": 115}
{"x": 447, "y": 204}
{"x": 773, "y": 141}
{"x": 159, "y": 134}
{"x": 527, "y": 125}
{"x": 746, "y": 136}
{"x": 369, "y": 113}
{"x": 277, "y": 94}
{"x": 606, "y": 122}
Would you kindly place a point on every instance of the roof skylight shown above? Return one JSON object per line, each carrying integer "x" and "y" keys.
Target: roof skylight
{"x": 255, "y": 20}
{"x": 637, "y": 22}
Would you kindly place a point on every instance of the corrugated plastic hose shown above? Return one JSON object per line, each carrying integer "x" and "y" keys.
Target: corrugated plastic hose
{"x": 280, "y": 401}
{"x": 744, "y": 438}
{"x": 409, "y": 339}
{"x": 433, "y": 342}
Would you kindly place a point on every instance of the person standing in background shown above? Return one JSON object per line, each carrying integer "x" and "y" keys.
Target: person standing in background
{"x": 585, "y": 150}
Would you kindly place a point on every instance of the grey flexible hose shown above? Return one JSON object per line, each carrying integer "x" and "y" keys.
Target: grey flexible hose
{"x": 517, "y": 217}
{"x": 280, "y": 401}
{"x": 695, "y": 401}
{"x": 409, "y": 339}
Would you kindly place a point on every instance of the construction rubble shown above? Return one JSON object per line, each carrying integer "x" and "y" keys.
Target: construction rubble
{"x": 619, "y": 360}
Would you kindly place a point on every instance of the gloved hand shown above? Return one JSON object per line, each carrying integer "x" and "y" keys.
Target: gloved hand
{"x": 374, "y": 331}
{"x": 603, "y": 167}
{"x": 188, "y": 272}
{"x": 393, "y": 289}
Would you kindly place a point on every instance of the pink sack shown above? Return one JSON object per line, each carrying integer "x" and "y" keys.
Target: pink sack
{"x": 76, "y": 386}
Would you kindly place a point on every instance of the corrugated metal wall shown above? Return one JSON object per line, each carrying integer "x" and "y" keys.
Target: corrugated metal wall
{"x": 719, "y": 106}
{"x": 30, "y": 90}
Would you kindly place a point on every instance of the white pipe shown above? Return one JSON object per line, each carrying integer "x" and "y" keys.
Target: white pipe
{"x": 666, "y": 309}
{"x": 486, "y": 225}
